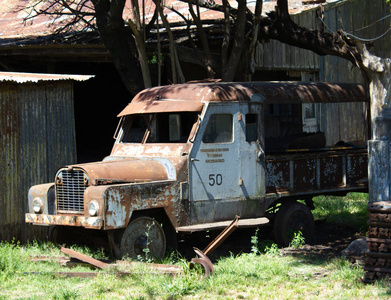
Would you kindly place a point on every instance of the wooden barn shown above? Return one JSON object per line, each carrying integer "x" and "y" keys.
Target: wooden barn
{"x": 37, "y": 136}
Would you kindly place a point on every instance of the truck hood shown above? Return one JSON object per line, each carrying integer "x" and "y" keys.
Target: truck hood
{"x": 123, "y": 171}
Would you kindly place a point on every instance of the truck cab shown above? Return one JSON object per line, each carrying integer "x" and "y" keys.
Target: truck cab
{"x": 191, "y": 157}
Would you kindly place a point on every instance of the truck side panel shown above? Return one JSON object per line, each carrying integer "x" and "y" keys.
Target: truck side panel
{"x": 316, "y": 172}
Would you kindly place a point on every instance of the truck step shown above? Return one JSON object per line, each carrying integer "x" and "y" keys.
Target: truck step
{"x": 243, "y": 223}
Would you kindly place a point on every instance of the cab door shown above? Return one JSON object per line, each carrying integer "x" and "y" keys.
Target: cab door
{"x": 214, "y": 165}
{"x": 251, "y": 151}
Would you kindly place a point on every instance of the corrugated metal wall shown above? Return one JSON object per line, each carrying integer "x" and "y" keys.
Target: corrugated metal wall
{"x": 37, "y": 137}
{"x": 346, "y": 122}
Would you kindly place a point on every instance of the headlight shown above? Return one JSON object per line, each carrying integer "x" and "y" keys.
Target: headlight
{"x": 93, "y": 208}
{"x": 37, "y": 205}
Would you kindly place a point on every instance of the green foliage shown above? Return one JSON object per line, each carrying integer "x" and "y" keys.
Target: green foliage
{"x": 254, "y": 242}
{"x": 178, "y": 288}
{"x": 66, "y": 294}
{"x": 246, "y": 276}
{"x": 297, "y": 240}
{"x": 350, "y": 210}
{"x": 271, "y": 249}
{"x": 154, "y": 59}
{"x": 265, "y": 273}
{"x": 264, "y": 247}
{"x": 147, "y": 257}
{"x": 11, "y": 259}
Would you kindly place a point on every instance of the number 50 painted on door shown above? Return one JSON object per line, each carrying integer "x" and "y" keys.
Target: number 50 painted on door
{"x": 215, "y": 179}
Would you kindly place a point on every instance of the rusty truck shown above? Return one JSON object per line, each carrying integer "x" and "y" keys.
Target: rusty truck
{"x": 190, "y": 157}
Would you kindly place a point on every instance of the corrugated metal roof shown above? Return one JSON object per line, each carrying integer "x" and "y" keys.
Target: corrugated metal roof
{"x": 36, "y": 77}
{"x": 165, "y": 97}
{"x": 13, "y": 13}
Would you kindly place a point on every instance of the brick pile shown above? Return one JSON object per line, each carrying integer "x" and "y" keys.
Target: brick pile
{"x": 378, "y": 258}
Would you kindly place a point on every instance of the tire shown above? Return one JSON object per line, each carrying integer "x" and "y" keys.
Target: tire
{"x": 60, "y": 235}
{"x": 145, "y": 238}
{"x": 293, "y": 217}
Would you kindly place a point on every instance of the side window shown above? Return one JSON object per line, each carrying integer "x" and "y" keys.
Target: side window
{"x": 134, "y": 129}
{"x": 251, "y": 127}
{"x": 310, "y": 118}
{"x": 219, "y": 129}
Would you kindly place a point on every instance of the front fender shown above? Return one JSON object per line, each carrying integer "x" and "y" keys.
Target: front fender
{"x": 119, "y": 201}
{"x": 46, "y": 194}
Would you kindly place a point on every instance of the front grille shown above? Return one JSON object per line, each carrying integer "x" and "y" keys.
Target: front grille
{"x": 70, "y": 186}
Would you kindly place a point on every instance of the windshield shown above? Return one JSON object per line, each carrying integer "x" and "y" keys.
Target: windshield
{"x": 157, "y": 128}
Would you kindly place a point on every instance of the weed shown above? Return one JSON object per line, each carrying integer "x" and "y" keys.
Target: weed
{"x": 272, "y": 249}
{"x": 66, "y": 294}
{"x": 10, "y": 259}
{"x": 268, "y": 247}
{"x": 177, "y": 288}
{"x": 254, "y": 242}
{"x": 147, "y": 257}
{"x": 297, "y": 240}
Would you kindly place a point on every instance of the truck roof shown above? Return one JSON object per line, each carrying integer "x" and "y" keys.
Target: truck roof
{"x": 191, "y": 96}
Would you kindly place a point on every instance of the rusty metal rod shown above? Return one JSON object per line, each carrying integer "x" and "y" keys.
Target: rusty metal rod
{"x": 221, "y": 237}
{"x": 87, "y": 259}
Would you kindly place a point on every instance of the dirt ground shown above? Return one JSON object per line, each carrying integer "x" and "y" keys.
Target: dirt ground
{"x": 329, "y": 241}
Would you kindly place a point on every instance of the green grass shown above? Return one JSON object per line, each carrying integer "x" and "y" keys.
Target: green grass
{"x": 246, "y": 276}
{"x": 350, "y": 210}
{"x": 262, "y": 274}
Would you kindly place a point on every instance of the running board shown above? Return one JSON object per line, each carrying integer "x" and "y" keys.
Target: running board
{"x": 242, "y": 223}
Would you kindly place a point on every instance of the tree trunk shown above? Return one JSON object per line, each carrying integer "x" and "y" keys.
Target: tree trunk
{"x": 377, "y": 74}
{"x": 229, "y": 68}
{"x": 119, "y": 42}
{"x": 142, "y": 54}
{"x": 171, "y": 40}
{"x": 204, "y": 41}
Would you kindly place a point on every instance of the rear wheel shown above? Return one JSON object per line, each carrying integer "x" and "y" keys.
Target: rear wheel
{"x": 145, "y": 238}
{"x": 290, "y": 218}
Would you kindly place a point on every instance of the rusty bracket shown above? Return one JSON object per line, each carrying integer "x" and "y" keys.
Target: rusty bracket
{"x": 84, "y": 258}
{"x": 203, "y": 255}
{"x": 202, "y": 260}
{"x": 151, "y": 268}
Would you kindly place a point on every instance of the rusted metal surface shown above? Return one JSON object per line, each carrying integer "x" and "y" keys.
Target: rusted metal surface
{"x": 203, "y": 255}
{"x": 271, "y": 92}
{"x": 120, "y": 268}
{"x": 87, "y": 259}
{"x": 125, "y": 171}
{"x": 13, "y": 26}
{"x": 221, "y": 237}
{"x": 38, "y": 137}
{"x": 119, "y": 201}
{"x": 67, "y": 220}
{"x": 204, "y": 261}
{"x": 143, "y": 234}
{"x": 242, "y": 223}
{"x": 120, "y": 150}
{"x": 156, "y": 106}
{"x": 67, "y": 274}
{"x": 190, "y": 181}
{"x": 35, "y": 77}
{"x": 316, "y": 172}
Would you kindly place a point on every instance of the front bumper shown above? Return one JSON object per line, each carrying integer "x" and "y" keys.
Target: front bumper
{"x": 79, "y": 221}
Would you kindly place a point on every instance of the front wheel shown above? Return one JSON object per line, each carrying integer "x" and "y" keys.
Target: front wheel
{"x": 145, "y": 238}
{"x": 290, "y": 218}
